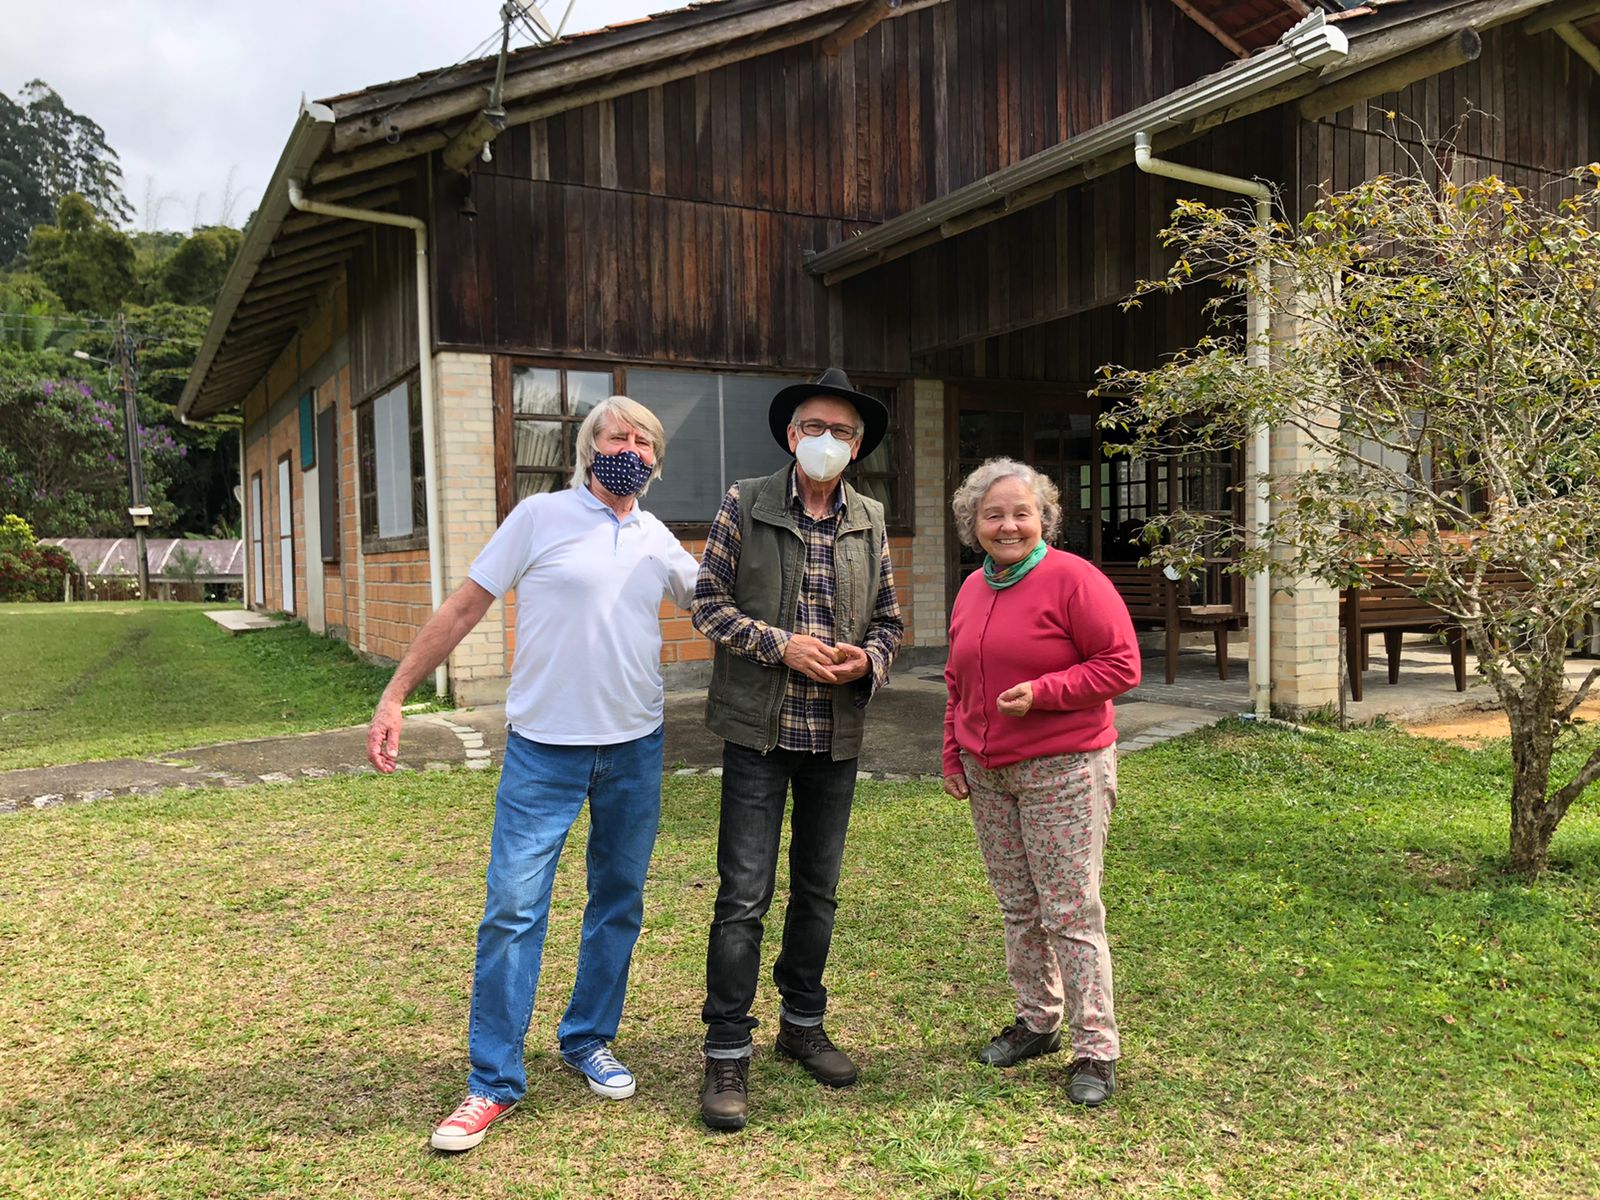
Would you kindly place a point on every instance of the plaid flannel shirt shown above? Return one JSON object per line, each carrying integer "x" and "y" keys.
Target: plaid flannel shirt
{"x": 805, "y": 720}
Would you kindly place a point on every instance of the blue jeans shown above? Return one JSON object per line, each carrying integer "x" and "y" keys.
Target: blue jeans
{"x": 542, "y": 789}
{"x": 755, "y": 791}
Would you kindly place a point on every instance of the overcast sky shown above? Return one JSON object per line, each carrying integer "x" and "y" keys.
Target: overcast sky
{"x": 197, "y": 97}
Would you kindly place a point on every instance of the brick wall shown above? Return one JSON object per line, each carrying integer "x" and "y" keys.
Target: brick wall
{"x": 1305, "y": 625}
{"x": 464, "y": 386}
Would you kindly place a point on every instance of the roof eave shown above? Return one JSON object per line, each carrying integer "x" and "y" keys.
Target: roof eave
{"x": 313, "y": 129}
{"x": 1238, "y": 89}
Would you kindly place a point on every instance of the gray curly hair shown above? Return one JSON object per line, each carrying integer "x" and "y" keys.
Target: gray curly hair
{"x": 976, "y": 486}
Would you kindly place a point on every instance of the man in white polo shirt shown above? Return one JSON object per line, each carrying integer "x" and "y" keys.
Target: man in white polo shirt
{"x": 590, "y": 569}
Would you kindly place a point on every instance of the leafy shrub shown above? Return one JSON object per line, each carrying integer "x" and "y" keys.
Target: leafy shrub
{"x": 29, "y": 571}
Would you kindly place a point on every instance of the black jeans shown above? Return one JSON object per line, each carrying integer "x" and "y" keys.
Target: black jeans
{"x": 755, "y": 788}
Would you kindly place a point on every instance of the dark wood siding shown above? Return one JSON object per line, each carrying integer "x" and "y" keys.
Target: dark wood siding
{"x": 1538, "y": 116}
{"x": 670, "y": 224}
{"x": 1077, "y": 252}
{"x": 383, "y": 304}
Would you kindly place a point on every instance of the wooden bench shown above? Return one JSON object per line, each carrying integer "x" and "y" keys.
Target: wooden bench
{"x": 1154, "y": 603}
{"x": 1388, "y": 604}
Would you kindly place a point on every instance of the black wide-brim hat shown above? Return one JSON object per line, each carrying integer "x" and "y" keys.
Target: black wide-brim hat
{"x": 832, "y": 382}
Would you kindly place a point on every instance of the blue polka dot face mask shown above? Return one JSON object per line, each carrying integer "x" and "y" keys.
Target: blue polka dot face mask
{"x": 621, "y": 474}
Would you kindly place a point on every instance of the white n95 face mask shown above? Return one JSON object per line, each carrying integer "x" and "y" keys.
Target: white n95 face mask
{"x": 822, "y": 457}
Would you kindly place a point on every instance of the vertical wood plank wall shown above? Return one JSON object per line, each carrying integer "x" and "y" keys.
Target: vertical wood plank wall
{"x": 670, "y": 224}
{"x": 1537, "y": 115}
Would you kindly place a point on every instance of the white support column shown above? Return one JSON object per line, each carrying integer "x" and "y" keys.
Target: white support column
{"x": 928, "y": 504}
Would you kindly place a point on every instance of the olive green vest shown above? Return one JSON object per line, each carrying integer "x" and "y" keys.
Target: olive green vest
{"x": 742, "y": 705}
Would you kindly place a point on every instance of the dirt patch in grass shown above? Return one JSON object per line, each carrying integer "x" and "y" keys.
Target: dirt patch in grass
{"x": 1476, "y": 728}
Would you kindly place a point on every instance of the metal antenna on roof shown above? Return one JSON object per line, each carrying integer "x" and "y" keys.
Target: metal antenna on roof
{"x": 561, "y": 28}
{"x": 532, "y": 20}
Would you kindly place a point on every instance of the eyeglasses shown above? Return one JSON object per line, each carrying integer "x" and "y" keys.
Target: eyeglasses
{"x": 814, "y": 428}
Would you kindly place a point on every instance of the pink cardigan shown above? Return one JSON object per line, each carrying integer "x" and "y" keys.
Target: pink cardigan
{"x": 1065, "y": 628}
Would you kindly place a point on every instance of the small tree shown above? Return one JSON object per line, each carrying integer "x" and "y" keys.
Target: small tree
{"x": 29, "y": 571}
{"x": 63, "y": 451}
{"x": 184, "y": 567}
{"x": 1445, "y": 376}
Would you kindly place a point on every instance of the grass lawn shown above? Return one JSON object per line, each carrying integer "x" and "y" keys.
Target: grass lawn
{"x": 1326, "y": 989}
{"x": 94, "y": 681}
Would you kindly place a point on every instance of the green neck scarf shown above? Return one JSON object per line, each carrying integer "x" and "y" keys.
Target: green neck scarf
{"x": 1004, "y": 577}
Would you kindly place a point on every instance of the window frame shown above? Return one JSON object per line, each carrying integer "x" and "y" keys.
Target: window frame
{"x": 328, "y": 470}
{"x": 897, "y": 522}
{"x": 366, "y": 485}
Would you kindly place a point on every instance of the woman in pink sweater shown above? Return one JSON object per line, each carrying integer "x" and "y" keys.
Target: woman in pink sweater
{"x": 1040, "y": 643}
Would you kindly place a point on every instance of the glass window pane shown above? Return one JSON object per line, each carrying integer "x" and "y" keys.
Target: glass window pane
{"x": 749, "y": 446}
{"x": 535, "y": 390}
{"x": 538, "y": 444}
{"x": 877, "y": 488}
{"x": 1079, "y": 444}
{"x": 531, "y": 483}
{"x": 986, "y": 434}
{"x": 1046, "y": 438}
{"x": 1075, "y": 535}
{"x": 585, "y": 389}
{"x": 391, "y": 421}
{"x": 690, "y": 487}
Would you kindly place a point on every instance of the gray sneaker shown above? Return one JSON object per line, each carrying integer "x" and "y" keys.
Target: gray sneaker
{"x": 1092, "y": 1082}
{"x": 1016, "y": 1042}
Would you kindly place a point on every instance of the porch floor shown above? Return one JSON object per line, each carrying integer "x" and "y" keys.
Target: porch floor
{"x": 1426, "y": 690}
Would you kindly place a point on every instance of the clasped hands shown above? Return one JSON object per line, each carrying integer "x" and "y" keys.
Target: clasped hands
{"x": 815, "y": 659}
{"x": 1015, "y": 701}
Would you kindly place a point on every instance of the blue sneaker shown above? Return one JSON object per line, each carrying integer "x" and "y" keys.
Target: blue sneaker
{"x": 607, "y": 1077}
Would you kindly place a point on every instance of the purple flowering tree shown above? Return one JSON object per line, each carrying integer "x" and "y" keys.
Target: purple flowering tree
{"x": 63, "y": 465}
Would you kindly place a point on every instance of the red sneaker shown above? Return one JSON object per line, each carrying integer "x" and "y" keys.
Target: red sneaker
{"x": 465, "y": 1128}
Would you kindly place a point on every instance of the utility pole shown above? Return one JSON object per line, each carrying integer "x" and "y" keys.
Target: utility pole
{"x": 127, "y": 373}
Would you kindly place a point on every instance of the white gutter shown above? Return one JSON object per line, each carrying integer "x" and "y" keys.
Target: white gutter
{"x": 1308, "y": 46}
{"x": 244, "y": 514}
{"x": 1257, "y": 355}
{"x": 430, "y": 464}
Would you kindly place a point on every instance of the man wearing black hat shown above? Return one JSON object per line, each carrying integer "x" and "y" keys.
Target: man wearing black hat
{"x": 796, "y": 593}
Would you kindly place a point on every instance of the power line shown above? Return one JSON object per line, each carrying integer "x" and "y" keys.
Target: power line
{"x": 425, "y": 80}
{"x": 62, "y": 320}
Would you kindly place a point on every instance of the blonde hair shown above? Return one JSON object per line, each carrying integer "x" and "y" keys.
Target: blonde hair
{"x": 626, "y": 412}
{"x": 976, "y": 486}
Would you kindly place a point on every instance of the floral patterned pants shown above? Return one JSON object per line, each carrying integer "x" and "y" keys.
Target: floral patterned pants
{"x": 1041, "y": 827}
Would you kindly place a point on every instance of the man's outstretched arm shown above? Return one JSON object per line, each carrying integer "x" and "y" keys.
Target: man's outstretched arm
{"x": 455, "y": 619}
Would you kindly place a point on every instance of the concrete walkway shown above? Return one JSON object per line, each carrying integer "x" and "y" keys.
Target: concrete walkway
{"x": 904, "y": 733}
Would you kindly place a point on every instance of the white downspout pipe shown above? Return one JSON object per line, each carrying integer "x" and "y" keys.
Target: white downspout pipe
{"x": 1257, "y": 355}
{"x": 244, "y": 516}
{"x": 430, "y": 464}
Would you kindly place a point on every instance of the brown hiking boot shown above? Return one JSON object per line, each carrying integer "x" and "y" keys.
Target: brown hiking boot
{"x": 810, "y": 1046}
{"x": 725, "y": 1095}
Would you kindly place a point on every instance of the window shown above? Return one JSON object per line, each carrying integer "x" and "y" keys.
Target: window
{"x": 879, "y": 474}
{"x": 717, "y": 432}
{"x": 547, "y": 406}
{"x": 328, "y": 482}
{"x": 258, "y": 557}
{"x": 389, "y": 446}
{"x": 286, "y": 532}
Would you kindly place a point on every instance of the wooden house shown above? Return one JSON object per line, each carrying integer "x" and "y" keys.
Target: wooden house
{"x": 939, "y": 196}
